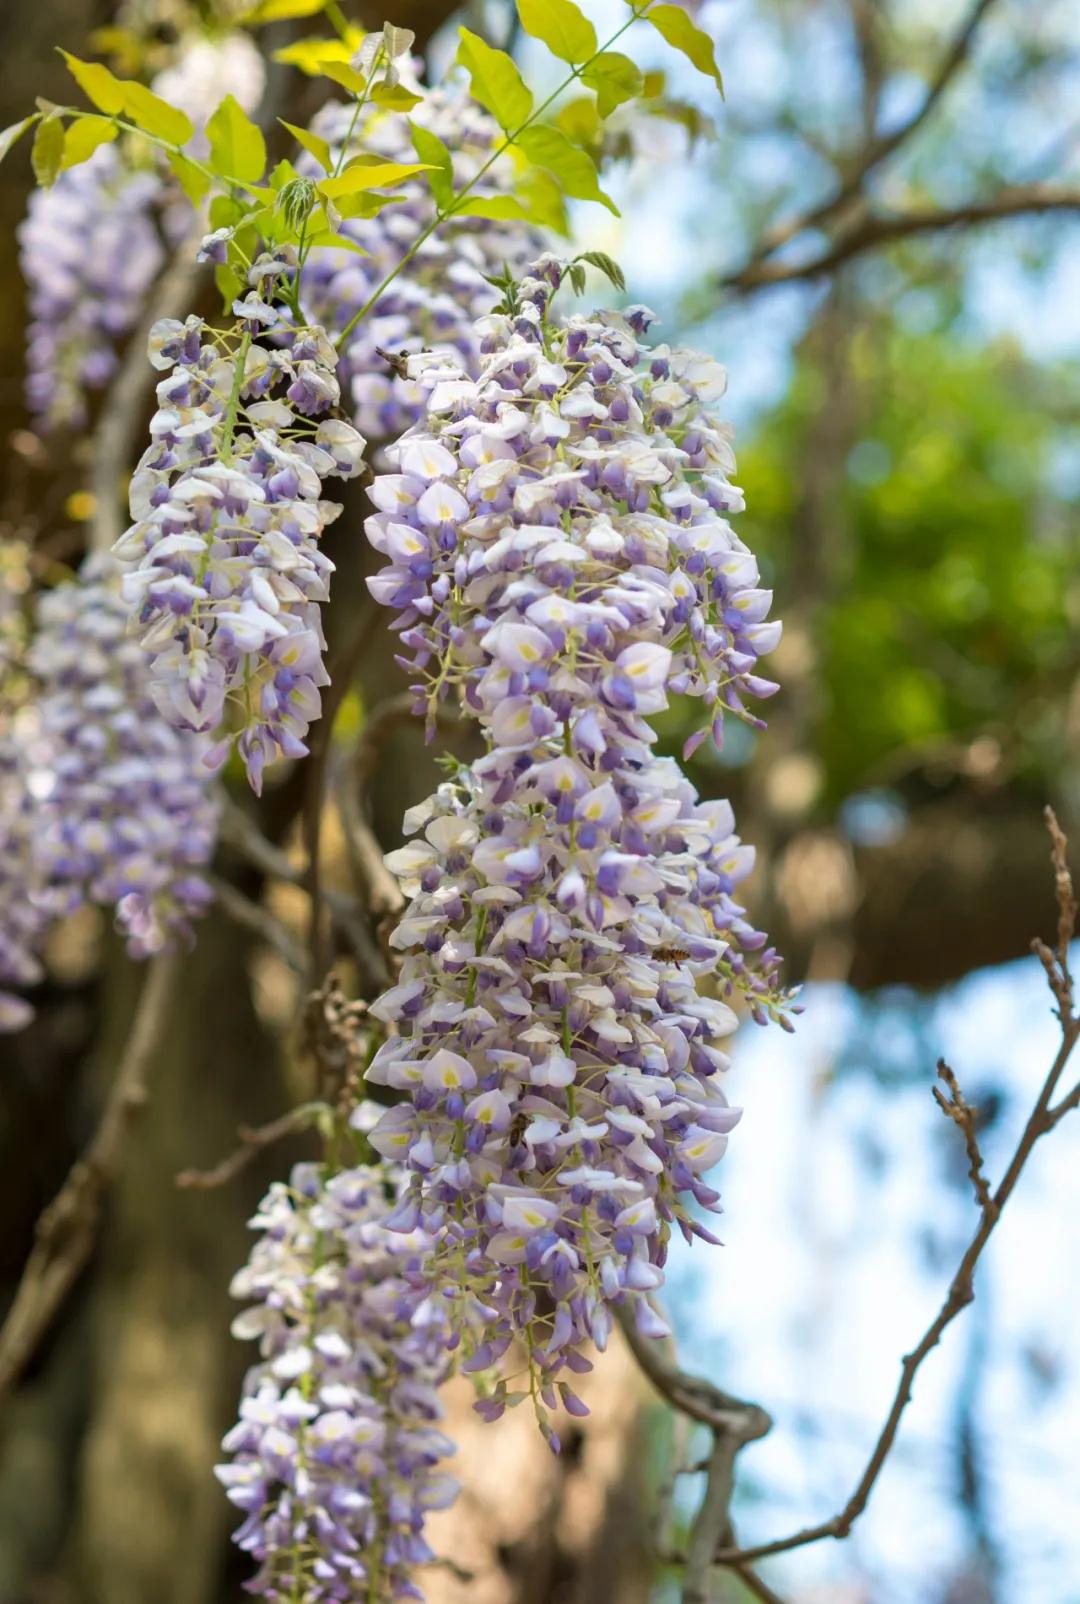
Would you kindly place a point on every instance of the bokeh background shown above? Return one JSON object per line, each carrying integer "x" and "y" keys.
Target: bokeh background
{"x": 909, "y": 441}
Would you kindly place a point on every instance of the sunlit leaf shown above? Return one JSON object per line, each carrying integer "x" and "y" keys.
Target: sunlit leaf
{"x": 341, "y": 242}
{"x": 431, "y": 150}
{"x": 155, "y": 116}
{"x": 191, "y": 179}
{"x": 497, "y": 208}
{"x": 280, "y": 11}
{"x": 561, "y": 25}
{"x": 615, "y": 78}
{"x": 341, "y": 73}
{"x": 312, "y": 143}
{"x": 364, "y": 175}
{"x": 395, "y": 97}
{"x": 47, "y": 151}
{"x": 311, "y": 55}
{"x": 674, "y": 25}
{"x": 543, "y": 199}
{"x": 495, "y": 81}
{"x": 572, "y": 167}
{"x": 237, "y": 147}
{"x": 82, "y": 138}
{"x": 12, "y": 135}
{"x": 98, "y": 84}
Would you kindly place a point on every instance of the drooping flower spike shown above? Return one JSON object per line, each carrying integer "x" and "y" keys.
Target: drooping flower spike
{"x": 336, "y": 1459}
{"x": 223, "y": 567}
{"x": 561, "y": 561}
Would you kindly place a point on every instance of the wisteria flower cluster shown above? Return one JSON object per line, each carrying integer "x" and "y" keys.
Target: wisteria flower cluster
{"x": 560, "y": 559}
{"x": 222, "y": 564}
{"x": 437, "y": 295}
{"x": 336, "y": 1459}
{"x": 101, "y": 800}
{"x": 90, "y": 245}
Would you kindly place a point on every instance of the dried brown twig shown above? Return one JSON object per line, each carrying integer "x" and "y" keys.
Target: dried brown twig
{"x": 252, "y": 1139}
{"x": 66, "y": 1231}
{"x": 966, "y": 1118}
{"x": 1044, "y": 1116}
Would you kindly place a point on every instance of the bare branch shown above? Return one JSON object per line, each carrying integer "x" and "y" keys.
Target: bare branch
{"x": 879, "y": 229}
{"x": 1043, "y": 1118}
{"x": 260, "y": 921}
{"x": 965, "y": 1117}
{"x": 253, "y": 1139}
{"x": 66, "y": 1230}
{"x": 873, "y": 152}
{"x": 693, "y": 1395}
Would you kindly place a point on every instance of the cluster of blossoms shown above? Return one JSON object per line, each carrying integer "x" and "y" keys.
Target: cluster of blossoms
{"x": 560, "y": 559}
{"x": 435, "y": 299}
{"x": 100, "y": 800}
{"x": 222, "y": 564}
{"x": 91, "y": 247}
{"x": 336, "y": 1457}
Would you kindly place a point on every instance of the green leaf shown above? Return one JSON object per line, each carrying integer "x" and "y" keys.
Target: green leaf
{"x": 237, "y": 147}
{"x": 97, "y": 84}
{"x": 280, "y": 11}
{"x": 340, "y": 242}
{"x": 48, "y": 150}
{"x": 341, "y": 73}
{"x": 495, "y": 80}
{"x": 497, "y": 208}
{"x": 567, "y": 33}
{"x": 311, "y": 143}
{"x": 363, "y": 175}
{"x": 572, "y": 167}
{"x": 229, "y": 283}
{"x": 311, "y": 55}
{"x": 544, "y": 200}
{"x": 615, "y": 79}
{"x": 395, "y": 97}
{"x": 192, "y": 181}
{"x": 155, "y": 116}
{"x": 83, "y": 137}
{"x": 12, "y": 135}
{"x": 673, "y": 24}
{"x": 605, "y": 264}
{"x": 430, "y": 149}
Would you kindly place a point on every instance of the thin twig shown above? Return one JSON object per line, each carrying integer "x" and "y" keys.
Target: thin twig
{"x": 1043, "y": 1118}
{"x": 965, "y": 1117}
{"x": 260, "y": 921}
{"x": 252, "y": 1139}
{"x": 66, "y": 1230}
{"x": 879, "y": 229}
{"x": 692, "y": 1395}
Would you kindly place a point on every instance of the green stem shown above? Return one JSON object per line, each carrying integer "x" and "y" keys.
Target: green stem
{"x": 233, "y": 406}
{"x": 441, "y": 216}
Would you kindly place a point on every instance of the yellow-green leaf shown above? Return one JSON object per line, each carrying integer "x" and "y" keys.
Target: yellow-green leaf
{"x": 341, "y": 73}
{"x": 281, "y": 11}
{"x": 364, "y": 175}
{"x": 311, "y": 55}
{"x": 495, "y": 80}
{"x": 572, "y": 167}
{"x": 431, "y": 150}
{"x": 615, "y": 78}
{"x": 395, "y": 97}
{"x": 561, "y": 25}
{"x": 341, "y": 242}
{"x": 674, "y": 25}
{"x": 48, "y": 149}
{"x": 82, "y": 138}
{"x": 497, "y": 208}
{"x": 97, "y": 84}
{"x": 155, "y": 116}
{"x": 312, "y": 144}
{"x": 543, "y": 200}
{"x": 192, "y": 181}
{"x": 237, "y": 147}
{"x": 12, "y": 135}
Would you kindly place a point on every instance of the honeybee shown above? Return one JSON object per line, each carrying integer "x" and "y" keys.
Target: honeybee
{"x": 518, "y": 1128}
{"x": 674, "y": 955}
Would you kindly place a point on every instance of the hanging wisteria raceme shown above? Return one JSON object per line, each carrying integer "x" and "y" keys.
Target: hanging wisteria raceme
{"x": 223, "y": 568}
{"x": 561, "y": 561}
{"x": 124, "y": 815}
{"x": 336, "y": 1457}
{"x": 90, "y": 247}
{"x": 25, "y": 914}
{"x": 434, "y": 301}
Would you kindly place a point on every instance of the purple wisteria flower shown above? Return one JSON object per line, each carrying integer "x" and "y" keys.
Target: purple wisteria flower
{"x": 434, "y": 301}
{"x": 336, "y": 1457}
{"x": 222, "y": 565}
{"x": 90, "y": 246}
{"x": 560, "y": 560}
